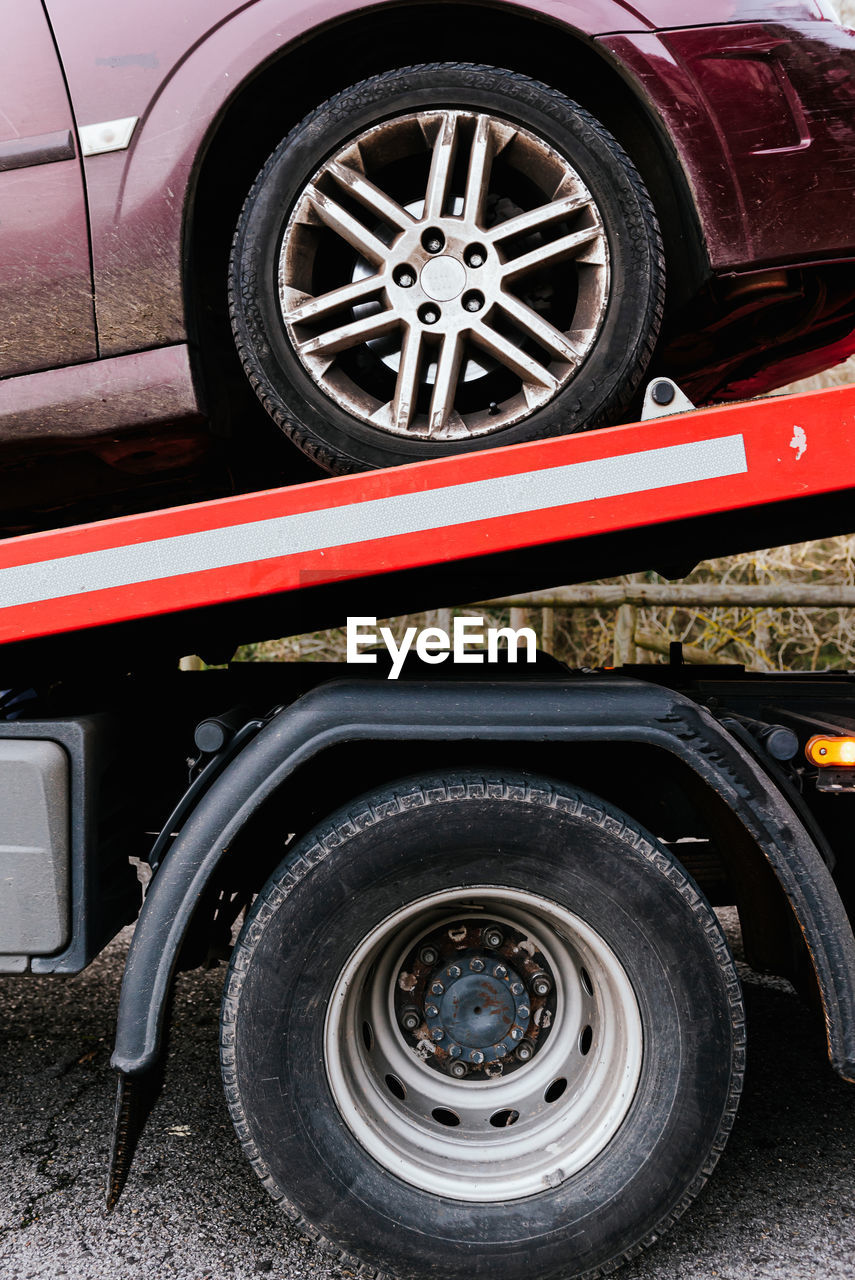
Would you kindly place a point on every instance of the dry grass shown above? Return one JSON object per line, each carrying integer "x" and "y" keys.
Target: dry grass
{"x": 766, "y": 639}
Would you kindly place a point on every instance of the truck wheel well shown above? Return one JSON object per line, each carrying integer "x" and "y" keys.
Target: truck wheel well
{"x": 649, "y": 784}
{"x": 259, "y": 115}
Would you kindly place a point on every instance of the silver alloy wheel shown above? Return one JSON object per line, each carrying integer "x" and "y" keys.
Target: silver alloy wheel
{"x": 444, "y": 274}
{"x": 513, "y": 1125}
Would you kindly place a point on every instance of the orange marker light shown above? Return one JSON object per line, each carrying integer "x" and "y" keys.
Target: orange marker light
{"x": 836, "y": 751}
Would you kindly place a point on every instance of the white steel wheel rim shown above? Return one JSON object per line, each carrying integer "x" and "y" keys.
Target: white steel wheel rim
{"x": 459, "y": 341}
{"x": 553, "y": 1137}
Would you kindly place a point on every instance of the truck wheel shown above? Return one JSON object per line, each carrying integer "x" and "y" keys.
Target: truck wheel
{"x": 444, "y": 258}
{"x": 482, "y": 1026}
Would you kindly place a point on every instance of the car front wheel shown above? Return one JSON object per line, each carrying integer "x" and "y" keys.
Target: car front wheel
{"x": 444, "y": 258}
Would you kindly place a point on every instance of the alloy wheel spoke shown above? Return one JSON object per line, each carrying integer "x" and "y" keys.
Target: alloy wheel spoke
{"x": 407, "y": 385}
{"x": 333, "y": 215}
{"x": 326, "y": 304}
{"x": 539, "y": 328}
{"x": 512, "y": 357}
{"x": 478, "y": 175}
{"x": 441, "y": 167}
{"x": 351, "y": 335}
{"x": 536, "y": 219}
{"x": 445, "y": 386}
{"x": 549, "y": 255}
{"x": 371, "y": 196}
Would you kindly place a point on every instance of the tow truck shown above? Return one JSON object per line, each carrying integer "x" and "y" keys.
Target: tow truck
{"x": 480, "y": 1017}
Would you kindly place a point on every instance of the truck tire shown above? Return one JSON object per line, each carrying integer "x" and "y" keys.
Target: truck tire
{"x": 388, "y": 309}
{"x": 482, "y": 1025}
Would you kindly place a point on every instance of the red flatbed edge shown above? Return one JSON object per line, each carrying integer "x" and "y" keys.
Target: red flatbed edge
{"x": 444, "y": 512}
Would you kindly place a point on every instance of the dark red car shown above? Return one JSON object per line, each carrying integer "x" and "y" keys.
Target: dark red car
{"x": 399, "y": 230}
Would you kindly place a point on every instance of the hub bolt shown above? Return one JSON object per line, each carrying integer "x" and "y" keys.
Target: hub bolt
{"x": 525, "y": 1051}
{"x": 541, "y": 984}
{"x": 437, "y": 1033}
{"x": 516, "y": 1034}
{"x": 433, "y": 241}
{"x": 500, "y": 971}
{"x": 475, "y": 1055}
{"x": 524, "y": 1011}
{"x": 428, "y": 955}
{"x": 458, "y": 1070}
{"x": 436, "y": 988}
{"x": 476, "y": 965}
{"x": 493, "y": 937}
{"x": 517, "y": 988}
{"x": 454, "y": 1051}
{"x": 431, "y": 1010}
{"x": 410, "y": 1019}
{"x": 453, "y": 971}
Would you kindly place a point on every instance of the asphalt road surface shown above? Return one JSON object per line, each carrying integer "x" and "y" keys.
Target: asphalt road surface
{"x": 780, "y": 1204}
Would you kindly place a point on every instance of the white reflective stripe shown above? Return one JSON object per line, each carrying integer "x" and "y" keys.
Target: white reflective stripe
{"x": 109, "y": 135}
{"x": 370, "y": 520}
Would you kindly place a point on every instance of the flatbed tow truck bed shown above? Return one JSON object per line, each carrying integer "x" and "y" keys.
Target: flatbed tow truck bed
{"x": 480, "y": 1018}
{"x": 661, "y": 493}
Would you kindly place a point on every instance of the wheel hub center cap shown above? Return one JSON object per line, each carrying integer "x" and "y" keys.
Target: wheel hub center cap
{"x": 443, "y": 278}
{"x": 477, "y": 1011}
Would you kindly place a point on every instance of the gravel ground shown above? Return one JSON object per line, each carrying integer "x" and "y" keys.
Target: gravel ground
{"x": 781, "y": 1203}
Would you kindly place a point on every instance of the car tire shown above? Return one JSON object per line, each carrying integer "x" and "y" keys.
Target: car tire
{"x": 488, "y": 904}
{"x": 444, "y": 258}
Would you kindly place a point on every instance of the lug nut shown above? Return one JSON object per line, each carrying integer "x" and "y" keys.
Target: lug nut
{"x": 493, "y": 937}
{"x": 436, "y": 989}
{"x": 453, "y": 971}
{"x": 428, "y": 955}
{"x": 473, "y": 301}
{"x": 433, "y": 241}
{"x": 428, "y": 314}
{"x": 476, "y": 965}
{"x": 525, "y": 1051}
{"x": 541, "y": 984}
{"x": 437, "y": 1033}
{"x": 475, "y": 255}
{"x": 410, "y": 1019}
{"x": 458, "y": 1070}
{"x": 404, "y": 276}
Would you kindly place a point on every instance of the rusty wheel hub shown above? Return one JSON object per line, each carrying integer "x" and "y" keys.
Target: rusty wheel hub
{"x": 483, "y": 1043}
{"x": 480, "y": 993}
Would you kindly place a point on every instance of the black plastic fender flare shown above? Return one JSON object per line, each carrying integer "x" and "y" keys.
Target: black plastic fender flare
{"x": 569, "y": 710}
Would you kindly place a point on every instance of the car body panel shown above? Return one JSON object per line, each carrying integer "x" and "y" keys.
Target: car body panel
{"x": 784, "y": 102}
{"x": 179, "y": 80}
{"x": 763, "y": 118}
{"x": 44, "y": 248}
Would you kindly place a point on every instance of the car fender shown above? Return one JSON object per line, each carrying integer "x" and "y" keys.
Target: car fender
{"x": 177, "y": 84}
